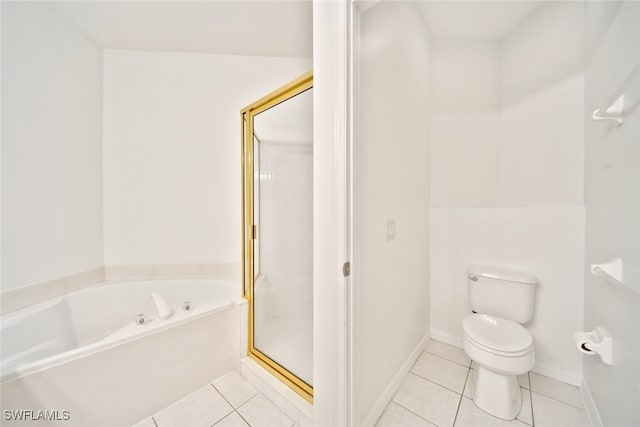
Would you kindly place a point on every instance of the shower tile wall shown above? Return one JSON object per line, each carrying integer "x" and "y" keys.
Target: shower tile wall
{"x": 284, "y": 291}
{"x": 507, "y": 166}
{"x": 287, "y": 228}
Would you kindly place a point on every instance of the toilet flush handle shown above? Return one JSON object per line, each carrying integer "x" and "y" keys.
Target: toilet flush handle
{"x": 473, "y": 278}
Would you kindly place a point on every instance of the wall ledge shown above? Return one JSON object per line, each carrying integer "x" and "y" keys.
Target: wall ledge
{"x": 17, "y": 298}
{"x": 23, "y": 296}
{"x": 222, "y": 270}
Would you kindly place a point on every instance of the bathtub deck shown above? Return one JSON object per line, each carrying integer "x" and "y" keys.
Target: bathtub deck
{"x": 229, "y": 401}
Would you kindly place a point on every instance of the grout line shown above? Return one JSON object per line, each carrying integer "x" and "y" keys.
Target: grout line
{"x": 213, "y": 425}
{"x": 522, "y": 408}
{"x": 243, "y": 419}
{"x": 226, "y": 416}
{"x": 225, "y": 399}
{"x": 418, "y": 415}
{"x": 222, "y": 395}
{"x": 449, "y": 360}
{"x": 533, "y": 420}
{"x": 253, "y": 397}
{"x": 557, "y": 400}
{"x": 409, "y": 410}
{"x": 455, "y": 418}
{"x": 438, "y": 384}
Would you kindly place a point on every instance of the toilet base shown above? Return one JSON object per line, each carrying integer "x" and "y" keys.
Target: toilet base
{"x": 496, "y": 394}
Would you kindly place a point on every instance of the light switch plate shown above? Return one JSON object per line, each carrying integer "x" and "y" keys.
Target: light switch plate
{"x": 391, "y": 229}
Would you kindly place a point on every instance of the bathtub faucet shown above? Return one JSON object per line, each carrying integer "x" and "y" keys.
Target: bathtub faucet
{"x": 164, "y": 311}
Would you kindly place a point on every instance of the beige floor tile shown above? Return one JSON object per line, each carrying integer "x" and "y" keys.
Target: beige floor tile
{"x": 548, "y": 412}
{"x": 261, "y": 412}
{"x": 202, "y": 408}
{"x": 431, "y": 401}
{"x": 235, "y": 388}
{"x": 147, "y": 422}
{"x": 231, "y": 420}
{"x": 441, "y": 371}
{"x": 448, "y": 352}
{"x": 558, "y": 390}
{"x": 525, "y": 413}
{"x": 397, "y": 416}
{"x": 469, "y": 415}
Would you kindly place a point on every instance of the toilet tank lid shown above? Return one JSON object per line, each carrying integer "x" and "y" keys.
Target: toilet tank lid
{"x": 501, "y": 274}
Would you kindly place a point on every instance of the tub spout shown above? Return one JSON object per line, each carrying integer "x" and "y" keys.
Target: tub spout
{"x": 164, "y": 311}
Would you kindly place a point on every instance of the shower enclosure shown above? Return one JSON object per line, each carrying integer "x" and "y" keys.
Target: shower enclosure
{"x": 277, "y": 149}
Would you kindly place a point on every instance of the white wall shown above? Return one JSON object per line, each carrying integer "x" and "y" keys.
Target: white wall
{"x": 390, "y": 182}
{"x": 506, "y": 181}
{"x": 464, "y": 125}
{"x": 546, "y": 48}
{"x": 467, "y": 74}
{"x": 51, "y": 147}
{"x": 171, "y": 152}
{"x": 612, "y": 174}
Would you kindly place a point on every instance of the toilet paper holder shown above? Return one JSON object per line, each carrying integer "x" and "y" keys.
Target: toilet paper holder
{"x": 598, "y": 342}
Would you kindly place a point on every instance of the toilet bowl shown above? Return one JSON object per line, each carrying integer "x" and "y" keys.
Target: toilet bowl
{"x": 502, "y": 350}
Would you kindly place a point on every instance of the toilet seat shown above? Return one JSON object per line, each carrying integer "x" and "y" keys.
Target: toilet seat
{"x": 497, "y": 336}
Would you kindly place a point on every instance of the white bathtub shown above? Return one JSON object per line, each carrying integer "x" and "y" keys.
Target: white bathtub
{"x": 85, "y": 353}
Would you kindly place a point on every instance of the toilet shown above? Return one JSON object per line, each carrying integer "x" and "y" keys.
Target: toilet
{"x": 494, "y": 338}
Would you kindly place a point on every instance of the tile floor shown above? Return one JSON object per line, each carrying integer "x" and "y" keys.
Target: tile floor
{"x": 436, "y": 393}
{"x": 229, "y": 401}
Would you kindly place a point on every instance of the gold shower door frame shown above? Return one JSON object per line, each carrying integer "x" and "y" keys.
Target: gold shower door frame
{"x": 287, "y": 91}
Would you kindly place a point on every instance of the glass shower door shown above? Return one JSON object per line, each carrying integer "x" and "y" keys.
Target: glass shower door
{"x": 279, "y": 224}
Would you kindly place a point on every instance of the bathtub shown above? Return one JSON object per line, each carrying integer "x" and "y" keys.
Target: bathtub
{"x": 88, "y": 357}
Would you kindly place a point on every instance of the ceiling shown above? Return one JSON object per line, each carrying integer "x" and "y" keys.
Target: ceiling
{"x": 487, "y": 20}
{"x": 262, "y": 28}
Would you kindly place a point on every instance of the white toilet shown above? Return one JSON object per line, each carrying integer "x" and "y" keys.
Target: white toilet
{"x": 494, "y": 338}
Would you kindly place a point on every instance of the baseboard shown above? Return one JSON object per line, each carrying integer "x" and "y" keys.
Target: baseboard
{"x": 395, "y": 383}
{"x": 590, "y": 406}
{"x": 446, "y": 338}
{"x": 557, "y": 374}
{"x": 538, "y": 368}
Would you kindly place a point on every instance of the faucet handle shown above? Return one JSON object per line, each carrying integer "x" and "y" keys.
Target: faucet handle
{"x": 186, "y": 306}
{"x": 140, "y": 319}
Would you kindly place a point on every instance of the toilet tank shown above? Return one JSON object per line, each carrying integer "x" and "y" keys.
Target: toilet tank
{"x": 502, "y": 293}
